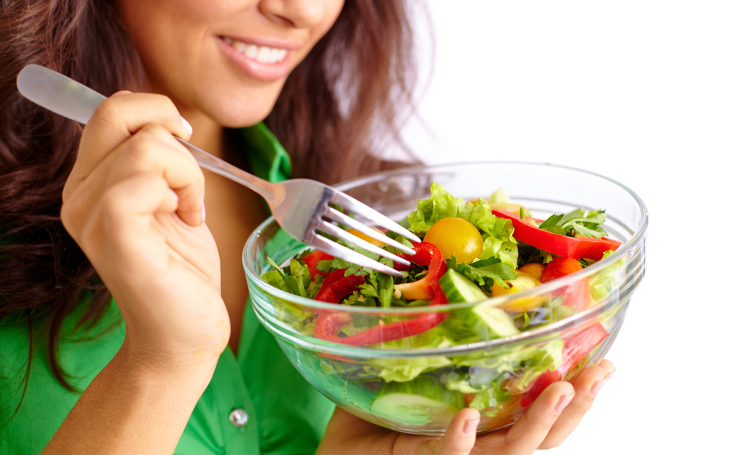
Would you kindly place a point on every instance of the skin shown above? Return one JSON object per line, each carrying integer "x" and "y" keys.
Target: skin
{"x": 134, "y": 202}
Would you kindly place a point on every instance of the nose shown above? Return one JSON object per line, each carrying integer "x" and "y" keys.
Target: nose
{"x": 299, "y": 13}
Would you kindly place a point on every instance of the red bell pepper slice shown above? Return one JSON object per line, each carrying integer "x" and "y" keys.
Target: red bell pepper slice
{"x": 576, "y": 294}
{"x": 427, "y": 288}
{"x": 556, "y": 243}
{"x": 336, "y": 286}
{"x": 575, "y": 348}
{"x": 328, "y": 324}
{"x": 313, "y": 258}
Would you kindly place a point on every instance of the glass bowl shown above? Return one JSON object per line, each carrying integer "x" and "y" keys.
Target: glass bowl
{"x": 416, "y": 384}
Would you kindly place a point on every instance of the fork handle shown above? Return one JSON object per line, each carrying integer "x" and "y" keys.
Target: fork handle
{"x": 72, "y": 100}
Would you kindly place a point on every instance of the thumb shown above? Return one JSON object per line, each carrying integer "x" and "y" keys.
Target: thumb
{"x": 460, "y": 436}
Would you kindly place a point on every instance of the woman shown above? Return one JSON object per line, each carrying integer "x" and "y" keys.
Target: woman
{"x": 174, "y": 362}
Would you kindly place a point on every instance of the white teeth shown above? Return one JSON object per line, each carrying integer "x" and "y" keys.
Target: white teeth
{"x": 262, "y": 54}
{"x": 251, "y": 51}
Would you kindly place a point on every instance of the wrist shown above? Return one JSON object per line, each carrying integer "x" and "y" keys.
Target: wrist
{"x": 148, "y": 365}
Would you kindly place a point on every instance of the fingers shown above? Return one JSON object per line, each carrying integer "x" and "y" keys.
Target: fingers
{"x": 154, "y": 150}
{"x": 119, "y": 117}
{"x": 459, "y": 438}
{"x": 586, "y": 386}
{"x": 527, "y": 434}
{"x": 122, "y": 221}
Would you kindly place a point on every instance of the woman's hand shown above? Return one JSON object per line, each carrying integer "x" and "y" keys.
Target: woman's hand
{"x": 134, "y": 204}
{"x": 546, "y": 424}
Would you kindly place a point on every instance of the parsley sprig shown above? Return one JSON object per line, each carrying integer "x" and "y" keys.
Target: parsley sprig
{"x": 588, "y": 224}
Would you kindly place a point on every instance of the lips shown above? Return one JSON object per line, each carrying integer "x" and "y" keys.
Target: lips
{"x": 257, "y": 59}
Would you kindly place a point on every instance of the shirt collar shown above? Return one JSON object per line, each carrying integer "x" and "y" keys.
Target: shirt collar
{"x": 267, "y": 157}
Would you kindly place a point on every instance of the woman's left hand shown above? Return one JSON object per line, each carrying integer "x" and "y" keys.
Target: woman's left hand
{"x": 546, "y": 424}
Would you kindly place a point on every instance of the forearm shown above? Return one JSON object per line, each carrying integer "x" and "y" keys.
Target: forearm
{"x": 131, "y": 408}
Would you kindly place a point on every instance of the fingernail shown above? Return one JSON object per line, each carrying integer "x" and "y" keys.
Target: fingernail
{"x": 174, "y": 196}
{"x": 563, "y": 402}
{"x": 203, "y": 213}
{"x": 599, "y": 384}
{"x": 470, "y": 427}
{"x": 187, "y": 125}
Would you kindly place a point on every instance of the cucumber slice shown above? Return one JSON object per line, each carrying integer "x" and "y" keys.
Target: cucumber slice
{"x": 416, "y": 402}
{"x": 459, "y": 289}
{"x": 499, "y": 322}
{"x": 408, "y": 409}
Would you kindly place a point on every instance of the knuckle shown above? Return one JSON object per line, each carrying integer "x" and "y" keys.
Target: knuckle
{"x": 110, "y": 111}
{"x": 143, "y": 149}
{"x": 164, "y": 103}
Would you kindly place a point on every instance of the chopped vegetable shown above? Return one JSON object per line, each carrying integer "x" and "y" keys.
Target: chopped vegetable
{"x": 577, "y": 248}
{"x": 456, "y": 237}
{"x": 428, "y": 287}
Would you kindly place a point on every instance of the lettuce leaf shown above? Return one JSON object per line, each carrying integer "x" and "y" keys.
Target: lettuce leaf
{"x": 491, "y": 399}
{"x": 497, "y": 232}
{"x": 294, "y": 279}
{"x": 405, "y": 369}
{"x": 604, "y": 281}
{"x": 527, "y": 363}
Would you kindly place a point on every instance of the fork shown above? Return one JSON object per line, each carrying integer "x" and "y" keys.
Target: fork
{"x": 300, "y": 206}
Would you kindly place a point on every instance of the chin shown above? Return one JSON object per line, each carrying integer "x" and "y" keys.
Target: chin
{"x": 245, "y": 109}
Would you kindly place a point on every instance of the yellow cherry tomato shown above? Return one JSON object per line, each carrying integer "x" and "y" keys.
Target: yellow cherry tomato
{"x": 534, "y": 268}
{"x": 368, "y": 239}
{"x": 523, "y": 282}
{"x": 456, "y": 237}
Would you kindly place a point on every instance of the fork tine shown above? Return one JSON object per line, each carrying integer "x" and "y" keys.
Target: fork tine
{"x": 337, "y": 250}
{"x": 355, "y": 224}
{"x": 371, "y": 215}
{"x": 331, "y": 229}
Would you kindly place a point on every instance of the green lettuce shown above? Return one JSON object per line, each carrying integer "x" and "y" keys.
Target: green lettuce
{"x": 403, "y": 369}
{"x": 497, "y": 232}
{"x": 491, "y": 399}
{"x": 604, "y": 281}
{"x": 528, "y": 362}
{"x": 294, "y": 279}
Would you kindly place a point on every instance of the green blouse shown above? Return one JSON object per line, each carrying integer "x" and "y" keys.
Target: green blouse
{"x": 256, "y": 403}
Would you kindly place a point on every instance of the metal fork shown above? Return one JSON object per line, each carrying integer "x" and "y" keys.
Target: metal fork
{"x": 299, "y": 206}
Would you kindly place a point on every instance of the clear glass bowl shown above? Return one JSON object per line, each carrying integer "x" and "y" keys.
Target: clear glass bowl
{"x": 416, "y": 390}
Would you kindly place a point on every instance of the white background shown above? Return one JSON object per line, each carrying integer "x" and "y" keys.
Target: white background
{"x": 649, "y": 94}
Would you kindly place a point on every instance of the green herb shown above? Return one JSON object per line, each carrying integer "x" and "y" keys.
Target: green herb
{"x": 294, "y": 280}
{"x": 485, "y": 272}
{"x": 588, "y": 224}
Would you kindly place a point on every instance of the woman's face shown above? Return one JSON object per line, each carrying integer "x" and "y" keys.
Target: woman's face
{"x": 227, "y": 59}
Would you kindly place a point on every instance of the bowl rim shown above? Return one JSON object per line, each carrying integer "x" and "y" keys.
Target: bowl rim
{"x": 637, "y": 237}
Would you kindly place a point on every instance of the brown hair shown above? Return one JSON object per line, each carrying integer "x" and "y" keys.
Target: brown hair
{"x": 359, "y": 77}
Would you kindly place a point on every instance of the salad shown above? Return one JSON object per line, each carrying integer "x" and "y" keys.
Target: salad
{"x": 472, "y": 251}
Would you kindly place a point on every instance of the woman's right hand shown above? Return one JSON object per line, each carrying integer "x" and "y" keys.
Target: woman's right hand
{"x": 134, "y": 204}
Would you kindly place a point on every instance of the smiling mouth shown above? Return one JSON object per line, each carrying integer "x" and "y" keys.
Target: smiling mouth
{"x": 261, "y": 54}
